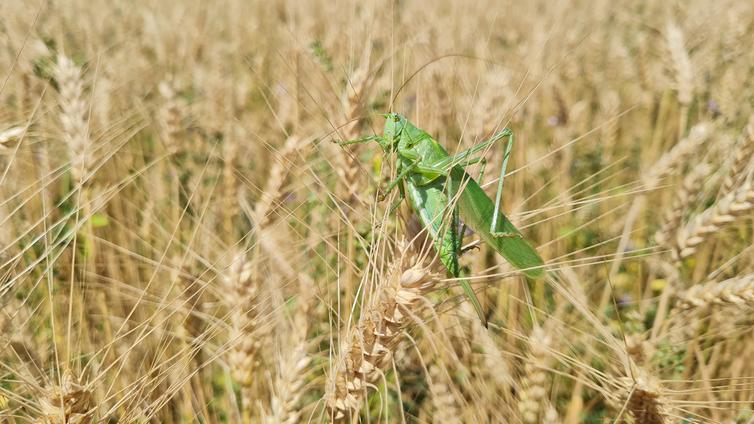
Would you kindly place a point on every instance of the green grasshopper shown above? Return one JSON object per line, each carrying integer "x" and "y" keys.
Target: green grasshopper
{"x": 439, "y": 190}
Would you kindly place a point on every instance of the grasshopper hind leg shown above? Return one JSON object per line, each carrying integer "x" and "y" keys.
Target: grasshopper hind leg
{"x": 499, "y": 195}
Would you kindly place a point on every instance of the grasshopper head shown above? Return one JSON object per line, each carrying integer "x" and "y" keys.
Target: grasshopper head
{"x": 394, "y": 124}
{"x": 398, "y": 128}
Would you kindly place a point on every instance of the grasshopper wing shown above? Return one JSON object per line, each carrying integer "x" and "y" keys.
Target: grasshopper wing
{"x": 476, "y": 210}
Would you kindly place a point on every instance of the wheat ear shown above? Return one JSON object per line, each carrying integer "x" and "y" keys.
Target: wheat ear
{"x": 242, "y": 301}
{"x": 550, "y": 415}
{"x": 744, "y": 152}
{"x": 289, "y": 386}
{"x": 171, "y": 115}
{"x": 69, "y": 403}
{"x": 724, "y": 212}
{"x": 73, "y": 114}
{"x": 358, "y": 91}
{"x": 368, "y": 351}
{"x": 684, "y": 75}
{"x": 7, "y": 138}
{"x": 293, "y": 364}
{"x": 644, "y": 399}
{"x": 533, "y": 391}
{"x": 230, "y": 182}
{"x": 671, "y": 161}
{"x": 692, "y": 185}
{"x": 736, "y": 291}
{"x": 444, "y": 404}
{"x": 272, "y": 193}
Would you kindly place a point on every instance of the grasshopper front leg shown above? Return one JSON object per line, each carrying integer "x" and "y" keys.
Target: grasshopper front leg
{"x": 401, "y": 175}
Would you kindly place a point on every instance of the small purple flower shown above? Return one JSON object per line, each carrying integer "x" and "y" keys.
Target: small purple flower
{"x": 714, "y": 107}
{"x": 625, "y": 300}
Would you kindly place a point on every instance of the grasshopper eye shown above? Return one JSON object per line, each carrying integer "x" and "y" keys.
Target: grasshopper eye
{"x": 396, "y": 118}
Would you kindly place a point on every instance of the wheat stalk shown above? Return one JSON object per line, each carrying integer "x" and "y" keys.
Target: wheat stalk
{"x": 668, "y": 164}
{"x": 496, "y": 100}
{"x": 191, "y": 297}
{"x": 73, "y": 113}
{"x": 493, "y": 363}
{"x": 294, "y": 363}
{"x": 610, "y": 107}
{"x": 368, "y": 351}
{"x": 723, "y": 213}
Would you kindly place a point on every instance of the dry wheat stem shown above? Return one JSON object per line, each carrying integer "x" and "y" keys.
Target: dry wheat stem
{"x": 550, "y": 415}
{"x": 230, "y": 183}
{"x": 293, "y": 363}
{"x": 668, "y": 164}
{"x": 357, "y": 93}
{"x": 493, "y": 363}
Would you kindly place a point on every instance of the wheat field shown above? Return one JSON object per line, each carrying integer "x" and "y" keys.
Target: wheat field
{"x": 182, "y": 240}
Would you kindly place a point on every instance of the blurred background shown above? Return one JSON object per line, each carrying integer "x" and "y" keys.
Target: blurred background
{"x": 182, "y": 241}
